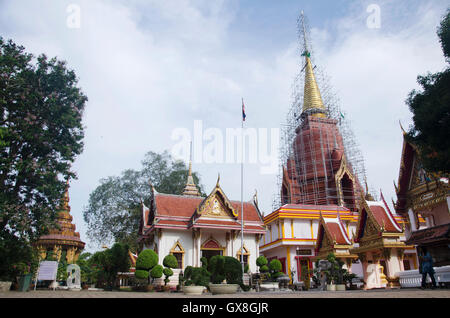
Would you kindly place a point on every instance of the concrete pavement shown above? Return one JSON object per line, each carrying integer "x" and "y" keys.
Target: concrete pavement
{"x": 381, "y": 293}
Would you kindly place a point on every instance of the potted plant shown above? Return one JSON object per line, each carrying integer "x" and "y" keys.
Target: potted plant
{"x": 265, "y": 275}
{"x": 305, "y": 277}
{"x": 169, "y": 262}
{"x": 145, "y": 262}
{"x": 226, "y": 274}
{"x": 196, "y": 279}
{"x": 337, "y": 271}
{"x": 156, "y": 272}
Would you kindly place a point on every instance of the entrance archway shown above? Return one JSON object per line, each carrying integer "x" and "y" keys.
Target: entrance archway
{"x": 211, "y": 248}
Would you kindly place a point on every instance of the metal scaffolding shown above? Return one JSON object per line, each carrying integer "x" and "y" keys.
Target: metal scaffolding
{"x": 316, "y": 189}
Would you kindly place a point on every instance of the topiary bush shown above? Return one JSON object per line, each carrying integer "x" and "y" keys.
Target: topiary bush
{"x": 233, "y": 270}
{"x": 146, "y": 260}
{"x": 204, "y": 262}
{"x": 216, "y": 267}
{"x": 170, "y": 261}
{"x": 197, "y": 276}
{"x": 141, "y": 274}
{"x": 167, "y": 273}
{"x": 156, "y": 272}
{"x": 261, "y": 261}
{"x": 275, "y": 268}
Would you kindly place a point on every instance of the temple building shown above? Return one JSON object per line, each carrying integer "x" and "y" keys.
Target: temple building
{"x": 62, "y": 241}
{"x": 321, "y": 194}
{"x": 293, "y": 230}
{"x": 333, "y": 238}
{"x": 381, "y": 245}
{"x": 424, "y": 200}
{"x": 190, "y": 227}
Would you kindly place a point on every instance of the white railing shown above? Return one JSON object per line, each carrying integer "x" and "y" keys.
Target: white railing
{"x": 413, "y": 278}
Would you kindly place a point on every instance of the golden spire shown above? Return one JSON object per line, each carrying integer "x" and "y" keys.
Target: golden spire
{"x": 190, "y": 188}
{"x": 312, "y": 99}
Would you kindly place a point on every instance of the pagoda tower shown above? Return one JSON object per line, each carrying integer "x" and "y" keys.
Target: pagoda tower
{"x": 317, "y": 172}
{"x": 62, "y": 240}
{"x": 190, "y": 187}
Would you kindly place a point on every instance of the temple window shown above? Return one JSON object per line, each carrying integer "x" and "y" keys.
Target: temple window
{"x": 178, "y": 251}
{"x": 347, "y": 192}
{"x": 246, "y": 255}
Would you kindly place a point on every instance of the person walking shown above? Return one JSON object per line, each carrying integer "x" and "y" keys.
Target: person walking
{"x": 426, "y": 267}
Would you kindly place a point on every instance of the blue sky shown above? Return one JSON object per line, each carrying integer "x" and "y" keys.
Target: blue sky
{"x": 151, "y": 67}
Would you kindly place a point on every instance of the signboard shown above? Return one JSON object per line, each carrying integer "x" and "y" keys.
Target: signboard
{"x": 48, "y": 270}
{"x": 304, "y": 252}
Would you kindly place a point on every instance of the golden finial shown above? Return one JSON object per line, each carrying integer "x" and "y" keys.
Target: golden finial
{"x": 218, "y": 179}
{"x": 401, "y": 127}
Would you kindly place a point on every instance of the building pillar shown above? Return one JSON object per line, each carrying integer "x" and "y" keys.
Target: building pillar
{"x": 412, "y": 221}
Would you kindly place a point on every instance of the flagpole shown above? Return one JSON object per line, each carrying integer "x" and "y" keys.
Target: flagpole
{"x": 242, "y": 188}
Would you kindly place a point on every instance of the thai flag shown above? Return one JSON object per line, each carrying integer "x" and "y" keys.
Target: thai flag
{"x": 243, "y": 110}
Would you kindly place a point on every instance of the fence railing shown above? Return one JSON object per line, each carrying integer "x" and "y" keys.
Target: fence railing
{"x": 413, "y": 278}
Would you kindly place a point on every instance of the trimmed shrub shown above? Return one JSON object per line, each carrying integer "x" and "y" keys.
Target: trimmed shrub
{"x": 275, "y": 266}
{"x": 264, "y": 269}
{"x": 170, "y": 261}
{"x": 204, "y": 262}
{"x": 146, "y": 260}
{"x": 261, "y": 261}
{"x": 233, "y": 270}
{"x": 156, "y": 271}
{"x": 167, "y": 273}
{"x": 141, "y": 274}
{"x": 197, "y": 276}
{"x": 217, "y": 269}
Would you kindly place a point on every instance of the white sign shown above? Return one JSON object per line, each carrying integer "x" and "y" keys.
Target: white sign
{"x": 48, "y": 270}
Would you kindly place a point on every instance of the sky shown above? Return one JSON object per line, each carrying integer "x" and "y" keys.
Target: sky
{"x": 158, "y": 73}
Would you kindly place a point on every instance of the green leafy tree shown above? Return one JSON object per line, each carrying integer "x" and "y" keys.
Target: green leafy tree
{"x": 114, "y": 208}
{"x": 85, "y": 268}
{"x": 431, "y": 112}
{"x": 110, "y": 262}
{"x": 41, "y": 134}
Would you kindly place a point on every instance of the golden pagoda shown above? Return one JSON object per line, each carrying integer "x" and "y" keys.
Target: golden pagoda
{"x": 62, "y": 240}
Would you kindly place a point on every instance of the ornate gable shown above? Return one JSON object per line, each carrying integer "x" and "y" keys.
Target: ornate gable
{"x": 367, "y": 228}
{"x": 216, "y": 205}
{"x": 332, "y": 238}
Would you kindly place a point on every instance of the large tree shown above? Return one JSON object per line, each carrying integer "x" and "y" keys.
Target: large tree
{"x": 431, "y": 112}
{"x": 114, "y": 207}
{"x": 41, "y": 134}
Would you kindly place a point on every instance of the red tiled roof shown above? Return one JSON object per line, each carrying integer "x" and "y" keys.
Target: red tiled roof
{"x": 178, "y": 210}
{"x": 176, "y": 205}
{"x": 382, "y": 218}
{"x": 336, "y": 233}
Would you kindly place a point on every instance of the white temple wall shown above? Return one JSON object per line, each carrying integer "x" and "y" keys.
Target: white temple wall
{"x": 302, "y": 228}
{"x": 169, "y": 238}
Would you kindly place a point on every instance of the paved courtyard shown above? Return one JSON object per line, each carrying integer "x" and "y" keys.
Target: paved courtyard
{"x": 381, "y": 293}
